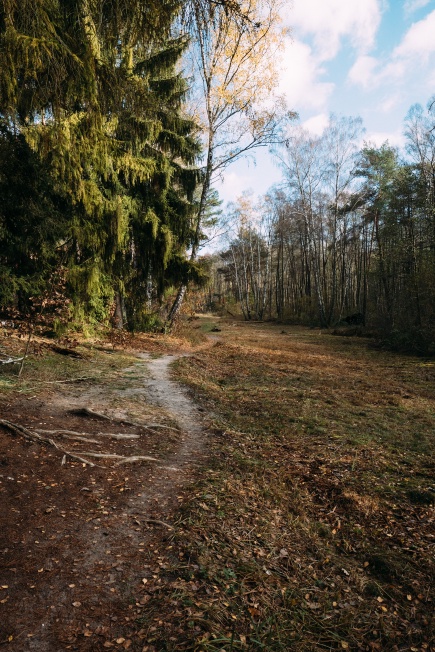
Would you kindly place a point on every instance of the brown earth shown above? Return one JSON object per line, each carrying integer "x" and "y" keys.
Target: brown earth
{"x": 82, "y": 545}
{"x": 297, "y": 515}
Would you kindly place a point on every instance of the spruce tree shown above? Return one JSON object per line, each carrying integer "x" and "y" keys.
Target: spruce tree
{"x": 93, "y": 88}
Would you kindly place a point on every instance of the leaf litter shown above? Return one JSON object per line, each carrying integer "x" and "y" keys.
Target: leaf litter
{"x": 308, "y": 527}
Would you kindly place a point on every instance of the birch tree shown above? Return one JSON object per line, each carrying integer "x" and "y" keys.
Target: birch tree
{"x": 233, "y": 58}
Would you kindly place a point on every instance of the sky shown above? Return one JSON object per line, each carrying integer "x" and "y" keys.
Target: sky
{"x": 367, "y": 58}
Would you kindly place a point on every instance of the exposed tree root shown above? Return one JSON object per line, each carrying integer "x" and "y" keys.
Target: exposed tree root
{"x": 84, "y": 436}
{"x": 122, "y": 459}
{"x": 119, "y": 435}
{"x": 35, "y": 437}
{"x": 70, "y": 434}
{"x": 86, "y": 412}
{"x": 160, "y": 425}
{"x": 80, "y": 379}
{"x": 136, "y": 458}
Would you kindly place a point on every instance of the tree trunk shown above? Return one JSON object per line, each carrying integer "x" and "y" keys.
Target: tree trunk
{"x": 118, "y": 317}
{"x": 176, "y": 306}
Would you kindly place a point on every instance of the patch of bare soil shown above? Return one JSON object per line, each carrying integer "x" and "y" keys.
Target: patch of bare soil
{"x": 87, "y": 517}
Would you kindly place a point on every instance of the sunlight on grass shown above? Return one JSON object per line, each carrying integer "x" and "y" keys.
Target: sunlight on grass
{"x": 313, "y": 526}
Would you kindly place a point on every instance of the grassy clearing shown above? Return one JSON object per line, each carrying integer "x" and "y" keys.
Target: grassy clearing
{"x": 48, "y": 371}
{"x": 313, "y": 528}
{"x": 102, "y": 361}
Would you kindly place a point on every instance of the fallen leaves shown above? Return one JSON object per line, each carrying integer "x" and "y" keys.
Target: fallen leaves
{"x": 335, "y": 551}
{"x": 284, "y": 533}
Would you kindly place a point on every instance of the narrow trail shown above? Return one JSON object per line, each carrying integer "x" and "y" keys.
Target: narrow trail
{"x": 105, "y": 549}
{"x": 170, "y": 395}
{"x": 178, "y": 467}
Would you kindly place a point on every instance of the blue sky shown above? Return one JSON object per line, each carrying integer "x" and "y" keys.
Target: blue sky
{"x": 368, "y": 58}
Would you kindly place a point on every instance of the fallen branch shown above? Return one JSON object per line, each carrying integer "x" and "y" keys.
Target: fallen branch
{"x": 34, "y": 437}
{"x": 11, "y": 360}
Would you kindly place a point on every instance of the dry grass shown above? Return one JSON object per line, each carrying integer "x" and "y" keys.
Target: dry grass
{"x": 313, "y": 528}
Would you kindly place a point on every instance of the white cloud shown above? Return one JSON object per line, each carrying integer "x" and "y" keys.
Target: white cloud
{"x": 363, "y": 72}
{"x": 300, "y": 82}
{"x": 329, "y": 21}
{"x": 244, "y": 175}
{"x": 377, "y": 138}
{"x": 317, "y": 124}
{"x": 233, "y": 185}
{"x": 419, "y": 41}
{"x": 416, "y": 47}
{"x": 390, "y": 103}
{"x": 414, "y": 5}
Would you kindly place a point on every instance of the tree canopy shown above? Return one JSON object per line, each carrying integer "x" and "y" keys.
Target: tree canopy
{"x": 93, "y": 91}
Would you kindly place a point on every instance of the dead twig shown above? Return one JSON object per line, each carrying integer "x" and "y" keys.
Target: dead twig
{"x": 26, "y": 351}
{"x": 155, "y": 521}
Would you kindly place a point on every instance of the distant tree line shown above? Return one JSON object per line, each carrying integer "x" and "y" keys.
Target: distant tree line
{"x": 347, "y": 238}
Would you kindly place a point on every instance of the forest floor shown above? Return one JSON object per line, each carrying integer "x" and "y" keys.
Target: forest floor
{"x": 284, "y": 502}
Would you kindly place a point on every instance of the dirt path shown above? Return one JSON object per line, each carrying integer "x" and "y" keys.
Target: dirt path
{"x": 310, "y": 527}
{"x": 86, "y": 548}
{"x": 173, "y": 398}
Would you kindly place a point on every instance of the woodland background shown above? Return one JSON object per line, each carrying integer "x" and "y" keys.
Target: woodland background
{"x": 117, "y": 117}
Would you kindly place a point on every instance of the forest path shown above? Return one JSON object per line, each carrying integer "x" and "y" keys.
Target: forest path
{"x": 88, "y": 550}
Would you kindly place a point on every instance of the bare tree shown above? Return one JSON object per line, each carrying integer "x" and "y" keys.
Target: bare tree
{"x": 234, "y": 57}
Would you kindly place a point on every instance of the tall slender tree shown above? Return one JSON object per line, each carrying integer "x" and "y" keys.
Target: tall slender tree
{"x": 233, "y": 58}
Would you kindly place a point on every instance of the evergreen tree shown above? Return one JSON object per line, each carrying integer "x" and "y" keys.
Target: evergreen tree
{"x": 33, "y": 222}
{"x": 93, "y": 88}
